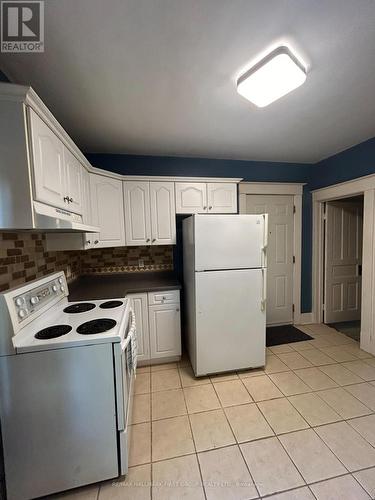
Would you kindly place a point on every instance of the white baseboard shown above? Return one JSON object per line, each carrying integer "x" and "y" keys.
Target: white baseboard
{"x": 306, "y": 318}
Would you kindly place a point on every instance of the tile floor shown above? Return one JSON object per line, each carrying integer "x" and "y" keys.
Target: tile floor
{"x": 303, "y": 428}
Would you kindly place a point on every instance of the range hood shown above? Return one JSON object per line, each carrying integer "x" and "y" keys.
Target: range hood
{"x": 47, "y": 218}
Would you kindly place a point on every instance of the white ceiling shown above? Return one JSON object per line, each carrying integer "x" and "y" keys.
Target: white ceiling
{"x": 158, "y": 76}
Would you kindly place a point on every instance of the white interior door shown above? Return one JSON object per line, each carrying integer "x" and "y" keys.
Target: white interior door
{"x": 343, "y": 258}
{"x": 279, "y": 253}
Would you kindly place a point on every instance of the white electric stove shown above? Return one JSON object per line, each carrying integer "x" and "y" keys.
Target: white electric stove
{"x": 66, "y": 383}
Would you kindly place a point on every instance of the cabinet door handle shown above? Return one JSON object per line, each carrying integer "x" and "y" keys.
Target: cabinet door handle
{"x": 70, "y": 200}
{"x": 210, "y": 208}
{"x": 66, "y": 199}
{"x": 177, "y": 310}
{"x": 204, "y": 208}
{"x": 148, "y": 239}
{"x": 96, "y": 242}
{"x": 153, "y": 240}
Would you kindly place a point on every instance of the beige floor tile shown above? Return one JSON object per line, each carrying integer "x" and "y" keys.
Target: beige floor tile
{"x": 343, "y": 488}
{"x": 282, "y": 416}
{"x": 165, "y": 380}
{"x": 275, "y": 365}
{"x": 344, "y": 403}
{"x": 188, "y": 379}
{"x": 140, "y": 444}
{"x": 340, "y": 374}
{"x": 367, "y": 479}
{"x": 362, "y": 369}
{"x": 248, "y": 423}
{"x": 338, "y": 353}
{"x": 313, "y": 409}
{"x": 136, "y": 485}
{"x": 315, "y": 379}
{"x": 232, "y": 393}
{"x": 201, "y": 398}
{"x": 142, "y": 384}
{"x": 171, "y": 438}
{"x": 358, "y": 352}
{"x": 178, "y": 478}
{"x": 294, "y": 360}
{"x": 142, "y": 408}
{"x": 211, "y": 430}
{"x": 225, "y": 475}
{"x": 270, "y": 466}
{"x": 262, "y": 388}
{"x": 349, "y": 447}
{"x": 279, "y": 349}
{"x": 255, "y": 372}
{"x": 319, "y": 342}
{"x": 366, "y": 427}
{"x": 224, "y": 377}
{"x": 143, "y": 369}
{"x": 84, "y": 493}
{"x": 289, "y": 383}
{"x": 168, "y": 404}
{"x": 312, "y": 457}
{"x": 301, "y": 346}
{"x": 297, "y": 494}
{"x": 163, "y": 366}
{"x": 370, "y": 361}
{"x": 317, "y": 358}
{"x": 364, "y": 392}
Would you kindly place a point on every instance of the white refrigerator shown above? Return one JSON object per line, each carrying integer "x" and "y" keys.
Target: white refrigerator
{"x": 225, "y": 291}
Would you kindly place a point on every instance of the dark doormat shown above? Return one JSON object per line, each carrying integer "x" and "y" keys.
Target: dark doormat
{"x": 285, "y": 334}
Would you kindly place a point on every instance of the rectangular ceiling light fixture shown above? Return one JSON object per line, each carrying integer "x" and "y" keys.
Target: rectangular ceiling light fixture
{"x": 274, "y": 76}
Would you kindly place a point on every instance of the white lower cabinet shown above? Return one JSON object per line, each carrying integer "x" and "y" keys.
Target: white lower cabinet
{"x": 158, "y": 326}
{"x": 138, "y": 302}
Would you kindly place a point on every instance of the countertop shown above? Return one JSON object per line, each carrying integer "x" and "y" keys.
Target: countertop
{"x": 111, "y": 286}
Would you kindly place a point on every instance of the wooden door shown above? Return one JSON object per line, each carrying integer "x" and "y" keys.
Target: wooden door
{"x": 343, "y": 258}
{"x": 279, "y": 254}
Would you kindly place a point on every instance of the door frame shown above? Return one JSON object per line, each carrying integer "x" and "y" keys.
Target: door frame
{"x": 290, "y": 189}
{"x": 361, "y": 186}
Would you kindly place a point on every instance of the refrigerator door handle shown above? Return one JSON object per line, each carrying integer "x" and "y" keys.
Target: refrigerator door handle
{"x": 265, "y": 234}
{"x": 263, "y": 301}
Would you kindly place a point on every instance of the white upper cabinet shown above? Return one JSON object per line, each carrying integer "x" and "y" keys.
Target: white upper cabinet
{"x": 202, "y": 197}
{"x": 150, "y": 216}
{"x": 48, "y": 163}
{"x": 137, "y": 213}
{"x": 191, "y": 197}
{"x": 222, "y": 197}
{"x": 107, "y": 211}
{"x": 73, "y": 176}
{"x": 163, "y": 213}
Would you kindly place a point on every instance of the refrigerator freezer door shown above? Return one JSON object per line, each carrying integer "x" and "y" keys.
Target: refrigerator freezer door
{"x": 229, "y": 241}
{"x": 230, "y": 320}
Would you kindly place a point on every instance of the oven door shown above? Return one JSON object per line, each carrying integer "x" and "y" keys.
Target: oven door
{"x": 124, "y": 389}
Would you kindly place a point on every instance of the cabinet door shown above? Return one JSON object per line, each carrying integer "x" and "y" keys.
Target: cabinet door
{"x": 139, "y": 304}
{"x": 163, "y": 213}
{"x": 73, "y": 172}
{"x": 48, "y": 162}
{"x": 107, "y": 210}
{"x": 137, "y": 213}
{"x": 222, "y": 197}
{"x": 191, "y": 197}
{"x": 165, "y": 331}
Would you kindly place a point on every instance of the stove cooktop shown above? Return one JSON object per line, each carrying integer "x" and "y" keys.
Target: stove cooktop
{"x": 96, "y": 326}
{"x": 53, "y": 332}
{"x": 79, "y": 307}
{"x": 111, "y": 304}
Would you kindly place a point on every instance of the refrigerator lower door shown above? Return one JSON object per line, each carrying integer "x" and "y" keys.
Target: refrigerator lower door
{"x": 230, "y": 320}
{"x": 229, "y": 241}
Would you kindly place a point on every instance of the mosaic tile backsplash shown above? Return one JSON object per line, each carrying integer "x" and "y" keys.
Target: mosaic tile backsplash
{"x": 23, "y": 257}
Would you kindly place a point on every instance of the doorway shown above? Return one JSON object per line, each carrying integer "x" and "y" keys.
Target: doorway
{"x": 343, "y": 243}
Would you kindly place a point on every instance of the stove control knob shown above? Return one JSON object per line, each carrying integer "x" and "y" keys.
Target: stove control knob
{"x": 34, "y": 300}
{"x": 60, "y": 280}
{"x": 19, "y": 301}
{"x": 22, "y": 313}
{"x": 54, "y": 288}
{"x": 62, "y": 288}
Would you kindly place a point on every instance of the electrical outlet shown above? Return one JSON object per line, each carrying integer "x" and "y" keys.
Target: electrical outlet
{"x": 141, "y": 263}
